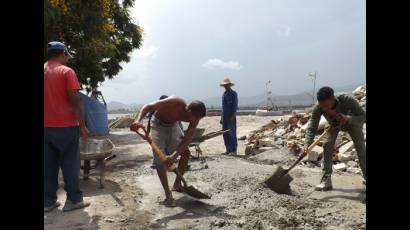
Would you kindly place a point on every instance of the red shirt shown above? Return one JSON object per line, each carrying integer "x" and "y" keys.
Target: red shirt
{"x": 58, "y": 111}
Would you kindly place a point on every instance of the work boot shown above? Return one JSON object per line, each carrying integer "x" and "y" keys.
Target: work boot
{"x": 325, "y": 183}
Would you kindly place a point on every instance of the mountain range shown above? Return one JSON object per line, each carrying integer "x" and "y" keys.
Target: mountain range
{"x": 252, "y": 101}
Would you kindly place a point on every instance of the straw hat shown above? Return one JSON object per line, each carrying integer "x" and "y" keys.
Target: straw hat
{"x": 227, "y": 81}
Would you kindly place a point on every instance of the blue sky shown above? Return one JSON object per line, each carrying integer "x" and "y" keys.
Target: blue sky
{"x": 190, "y": 46}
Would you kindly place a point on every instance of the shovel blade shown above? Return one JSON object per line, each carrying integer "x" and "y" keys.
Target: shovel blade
{"x": 279, "y": 181}
{"x": 190, "y": 190}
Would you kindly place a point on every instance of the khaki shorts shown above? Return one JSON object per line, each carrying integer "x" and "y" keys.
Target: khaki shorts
{"x": 166, "y": 136}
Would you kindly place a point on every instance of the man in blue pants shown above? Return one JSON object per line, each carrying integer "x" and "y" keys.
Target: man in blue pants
{"x": 63, "y": 124}
{"x": 228, "y": 120}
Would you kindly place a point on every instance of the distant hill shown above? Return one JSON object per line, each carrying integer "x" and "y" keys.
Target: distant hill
{"x": 115, "y": 105}
{"x": 280, "y": 100}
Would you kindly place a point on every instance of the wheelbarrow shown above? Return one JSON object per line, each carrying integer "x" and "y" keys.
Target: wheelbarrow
{"x": 198, "y": 139}
{"x": 99, "y": 150}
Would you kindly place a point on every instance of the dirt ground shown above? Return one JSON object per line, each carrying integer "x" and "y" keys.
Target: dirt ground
{"x": 130, "y": 199}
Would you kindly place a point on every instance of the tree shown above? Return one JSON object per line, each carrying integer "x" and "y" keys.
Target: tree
{"x": 99, "y": 33}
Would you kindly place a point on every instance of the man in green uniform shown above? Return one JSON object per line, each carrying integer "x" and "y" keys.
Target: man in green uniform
{"x": 341, "y": 111}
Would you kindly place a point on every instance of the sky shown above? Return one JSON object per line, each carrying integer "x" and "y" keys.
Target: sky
{"x": 190, "y": 46}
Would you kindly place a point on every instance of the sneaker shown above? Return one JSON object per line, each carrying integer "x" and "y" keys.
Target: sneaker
{"x": 325, "y": 183}
{"x": 51, "y": 207}
{"x": 233, "y": 153}
{"x": 70, "y": 206}
{"x": 225, "y": 153}
{"x": 153, "y": 166}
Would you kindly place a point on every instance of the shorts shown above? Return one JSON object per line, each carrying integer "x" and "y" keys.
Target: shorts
{"x": 166, "y": 136}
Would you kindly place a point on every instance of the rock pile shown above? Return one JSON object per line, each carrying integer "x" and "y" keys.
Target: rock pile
{"x": 290, "y": 132}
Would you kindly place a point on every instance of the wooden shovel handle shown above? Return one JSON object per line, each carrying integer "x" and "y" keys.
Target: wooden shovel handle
{"x": 317, "y": 141}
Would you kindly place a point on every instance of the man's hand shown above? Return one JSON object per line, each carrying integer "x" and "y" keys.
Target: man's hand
{"x": 170, "y": 160}
{"x": 84, "y": 132}
{"x": 220, "y": 121}
{"x": 135, "y": 126}
{"x": 304, "y": 151}
{"x": 341, "y": 118}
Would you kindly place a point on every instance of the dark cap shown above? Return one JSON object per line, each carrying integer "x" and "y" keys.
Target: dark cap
{"x": 56, "y": 45}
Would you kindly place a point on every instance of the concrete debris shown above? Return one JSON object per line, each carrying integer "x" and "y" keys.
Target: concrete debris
{"x": 315, "y": 153}
{"x": 280, "y": 132}
{"x": 344, "y": 157}
{"x": 353, "y": 170}
{"x": 346, "y": 147}
{"x": 265, "y": 142}
{"x": 340, "y": 167}
{"x": 122, "y": 122}
{"x": 352, "y": 164}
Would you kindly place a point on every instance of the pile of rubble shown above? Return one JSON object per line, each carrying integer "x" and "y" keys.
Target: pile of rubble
{"x": 122, "y": 122}
{"x": 360, "y": 95}
{"x": 290, "y": 133}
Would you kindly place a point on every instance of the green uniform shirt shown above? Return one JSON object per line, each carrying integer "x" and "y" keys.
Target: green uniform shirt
{"x": 346, "y": 105}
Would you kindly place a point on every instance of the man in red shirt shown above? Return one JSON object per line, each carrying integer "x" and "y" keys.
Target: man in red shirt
{"x": 63, "y": 123}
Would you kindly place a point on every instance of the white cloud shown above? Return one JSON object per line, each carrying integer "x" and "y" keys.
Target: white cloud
{"x": 285, "y": 31}
{"x": 218, "y": 63}
{"x": 150, "y": 51}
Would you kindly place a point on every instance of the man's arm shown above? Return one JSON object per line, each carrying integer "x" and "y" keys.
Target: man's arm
{"x": 150, "y": 107}
{"x": 234, "y": 105}
{"x": 183, "y": 145}
{"x": 76, "y": 103}
{"x": 313, "y": 125}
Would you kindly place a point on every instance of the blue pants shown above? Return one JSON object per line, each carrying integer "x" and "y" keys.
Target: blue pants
{"x": 230, "y": 140}
{"x": 61, "y": 149}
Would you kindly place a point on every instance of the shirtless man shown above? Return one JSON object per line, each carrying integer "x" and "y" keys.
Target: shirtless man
{"x": 167, "y": 135}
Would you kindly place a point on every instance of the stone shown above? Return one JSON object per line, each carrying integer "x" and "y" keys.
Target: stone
{"x": 339, "y": 139}
{"x": 314, "y": 154}
{"x": 353, "y": 170}
{"x": 340, "y": 167}
{"x": 346, "y": 147}
{"x": 344, "y": 157}
{"x": 298, "y": 132}
{"x": 304, "y": 127}
{"x": 280, "y": 132}
{"x": 352, "y": 164}
{"x": 242, "y": 138}
{"x": 266, "y": 142}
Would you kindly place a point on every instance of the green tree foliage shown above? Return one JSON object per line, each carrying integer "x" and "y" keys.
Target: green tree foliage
{"x": 99, "y": 33}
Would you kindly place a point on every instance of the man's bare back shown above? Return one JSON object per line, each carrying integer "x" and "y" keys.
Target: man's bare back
{"x": 173, "y": 109}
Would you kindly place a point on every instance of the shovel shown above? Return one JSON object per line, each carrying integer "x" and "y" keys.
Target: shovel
{"x": 280, "y": 179}
{"x": 190, "y": 190}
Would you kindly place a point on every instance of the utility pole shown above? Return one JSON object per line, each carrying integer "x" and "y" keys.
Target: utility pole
{"x": 313, "y": 77}
{"x": 267, "y": 94}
